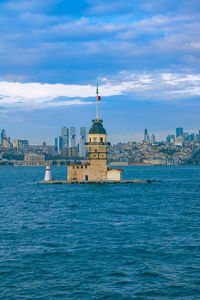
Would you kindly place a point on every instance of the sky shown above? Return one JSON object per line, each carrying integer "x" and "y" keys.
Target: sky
{"x": 145, "y": 56}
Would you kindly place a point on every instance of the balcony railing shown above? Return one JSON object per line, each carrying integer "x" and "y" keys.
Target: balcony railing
{"x": 97, "y": 143}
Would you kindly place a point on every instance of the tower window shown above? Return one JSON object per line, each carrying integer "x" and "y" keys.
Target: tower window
{"x": 101, "y": 139}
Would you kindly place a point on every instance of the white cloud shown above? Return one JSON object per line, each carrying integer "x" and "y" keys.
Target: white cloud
{"x": 153, "y": 86}
{"x": 37, "y": 95}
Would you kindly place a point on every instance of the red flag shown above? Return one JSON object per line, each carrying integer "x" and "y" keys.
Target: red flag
{"x": 98, "y": 98}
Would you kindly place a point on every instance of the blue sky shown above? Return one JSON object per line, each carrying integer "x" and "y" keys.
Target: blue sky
{"x": 145, "y": 55}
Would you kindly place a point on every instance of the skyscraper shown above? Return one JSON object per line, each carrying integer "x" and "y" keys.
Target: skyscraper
{"x": 179, "y": 131}
{"x": 72, "y": 137}
{"x": 3, "y": 136}
{"x": 153, "y": 139}
{"x": 146, "y": 136}
{"x": 58, "y": 144}
{"x": 82, "y": 140}
{"x": 65, "y": 137}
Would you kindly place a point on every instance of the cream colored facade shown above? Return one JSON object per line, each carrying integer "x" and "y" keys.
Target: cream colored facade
{"x": 34, "y": 160}
{"x": 96, "y": 169}
{"x": 114, "y": 174}
{"x": 154, "y": 162}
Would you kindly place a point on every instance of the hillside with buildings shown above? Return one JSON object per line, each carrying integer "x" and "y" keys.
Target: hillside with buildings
{"x": 178, "y": 149}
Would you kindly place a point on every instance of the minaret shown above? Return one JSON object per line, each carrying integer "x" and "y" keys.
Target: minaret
{"x": 97, "y": 146}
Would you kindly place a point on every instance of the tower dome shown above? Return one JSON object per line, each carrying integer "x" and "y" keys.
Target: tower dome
{"x": 97, "y": 127}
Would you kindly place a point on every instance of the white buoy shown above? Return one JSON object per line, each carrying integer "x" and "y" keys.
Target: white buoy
{"x": 47, "y": 176}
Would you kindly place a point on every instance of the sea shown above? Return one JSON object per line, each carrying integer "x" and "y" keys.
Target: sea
{"x": 100, "y": 241}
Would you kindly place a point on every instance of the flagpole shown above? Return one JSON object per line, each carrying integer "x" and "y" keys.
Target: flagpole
{"x": 97, "y": 93}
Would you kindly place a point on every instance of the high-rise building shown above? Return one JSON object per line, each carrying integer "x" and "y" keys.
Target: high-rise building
{"x": 3, "y": 136}
{"x": 72, "y": 137}
{"x": 65, "y": 137}
{"x": 58, "y": 144}
{"x": 21, "y": 144}
{"x": 146, "y": 136}
{"x": 6, "y": 143}
{"x": 198, "y": 137}
{"x": 82, "y": 140}
{"x": 153, "y": 139}
{"x": 179, "y": 131}
{"x": 172, "y": 139}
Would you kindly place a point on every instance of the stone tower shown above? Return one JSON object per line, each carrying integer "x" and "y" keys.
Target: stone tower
{"x": 96, "y": 169}
{"x": 97, "y": 150}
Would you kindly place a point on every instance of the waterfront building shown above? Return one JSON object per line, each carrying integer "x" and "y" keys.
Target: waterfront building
{"x": 72, "y": 137}
{"x": 33, "y": 159}
{"x": 96, "y": 168}
{"x": 65, "y": 137}
{"x": 179, "y": 131}
{"x": 82, "y": 141}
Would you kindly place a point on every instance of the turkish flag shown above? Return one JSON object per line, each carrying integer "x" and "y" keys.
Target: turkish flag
{"x": 99, "y": 98}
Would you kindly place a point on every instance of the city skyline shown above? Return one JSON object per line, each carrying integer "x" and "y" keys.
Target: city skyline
{"x": 144, "y": 55}
{"x": 147, "y": 136}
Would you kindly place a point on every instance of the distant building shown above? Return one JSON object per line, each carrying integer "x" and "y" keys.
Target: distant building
{"x": 154, "y": 162}
{"x": 198, "y": 137}
{"x": 3, "y": 136}
{"x": 179, "y": 131}
{"x": 21, "y": 144}
{"x": 82, "y": 140}
{"x": 33, "y": 159}
{"x": 190, "y": 137}
{"x": 179, "y": 141}
{"x": 146, "y": 136}
{"x": 153, "y": 139}
{"x": 69, "y": 152}
{"x": 72, "y": 137}
{"x": 65, "y": 137}
{"x": 73, "y": 152}
{"x": 170, "y": 139}
{"x": 6, "y": 143}
{"x": 58, "y": 144}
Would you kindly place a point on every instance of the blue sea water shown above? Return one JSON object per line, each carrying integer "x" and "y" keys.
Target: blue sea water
{"x": 134, "y": 241}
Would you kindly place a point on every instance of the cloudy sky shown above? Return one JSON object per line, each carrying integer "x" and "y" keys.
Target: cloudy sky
{"x": 145, "y": 55}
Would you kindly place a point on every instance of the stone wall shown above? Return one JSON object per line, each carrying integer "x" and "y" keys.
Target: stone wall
{"x": 94, "y": 172}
